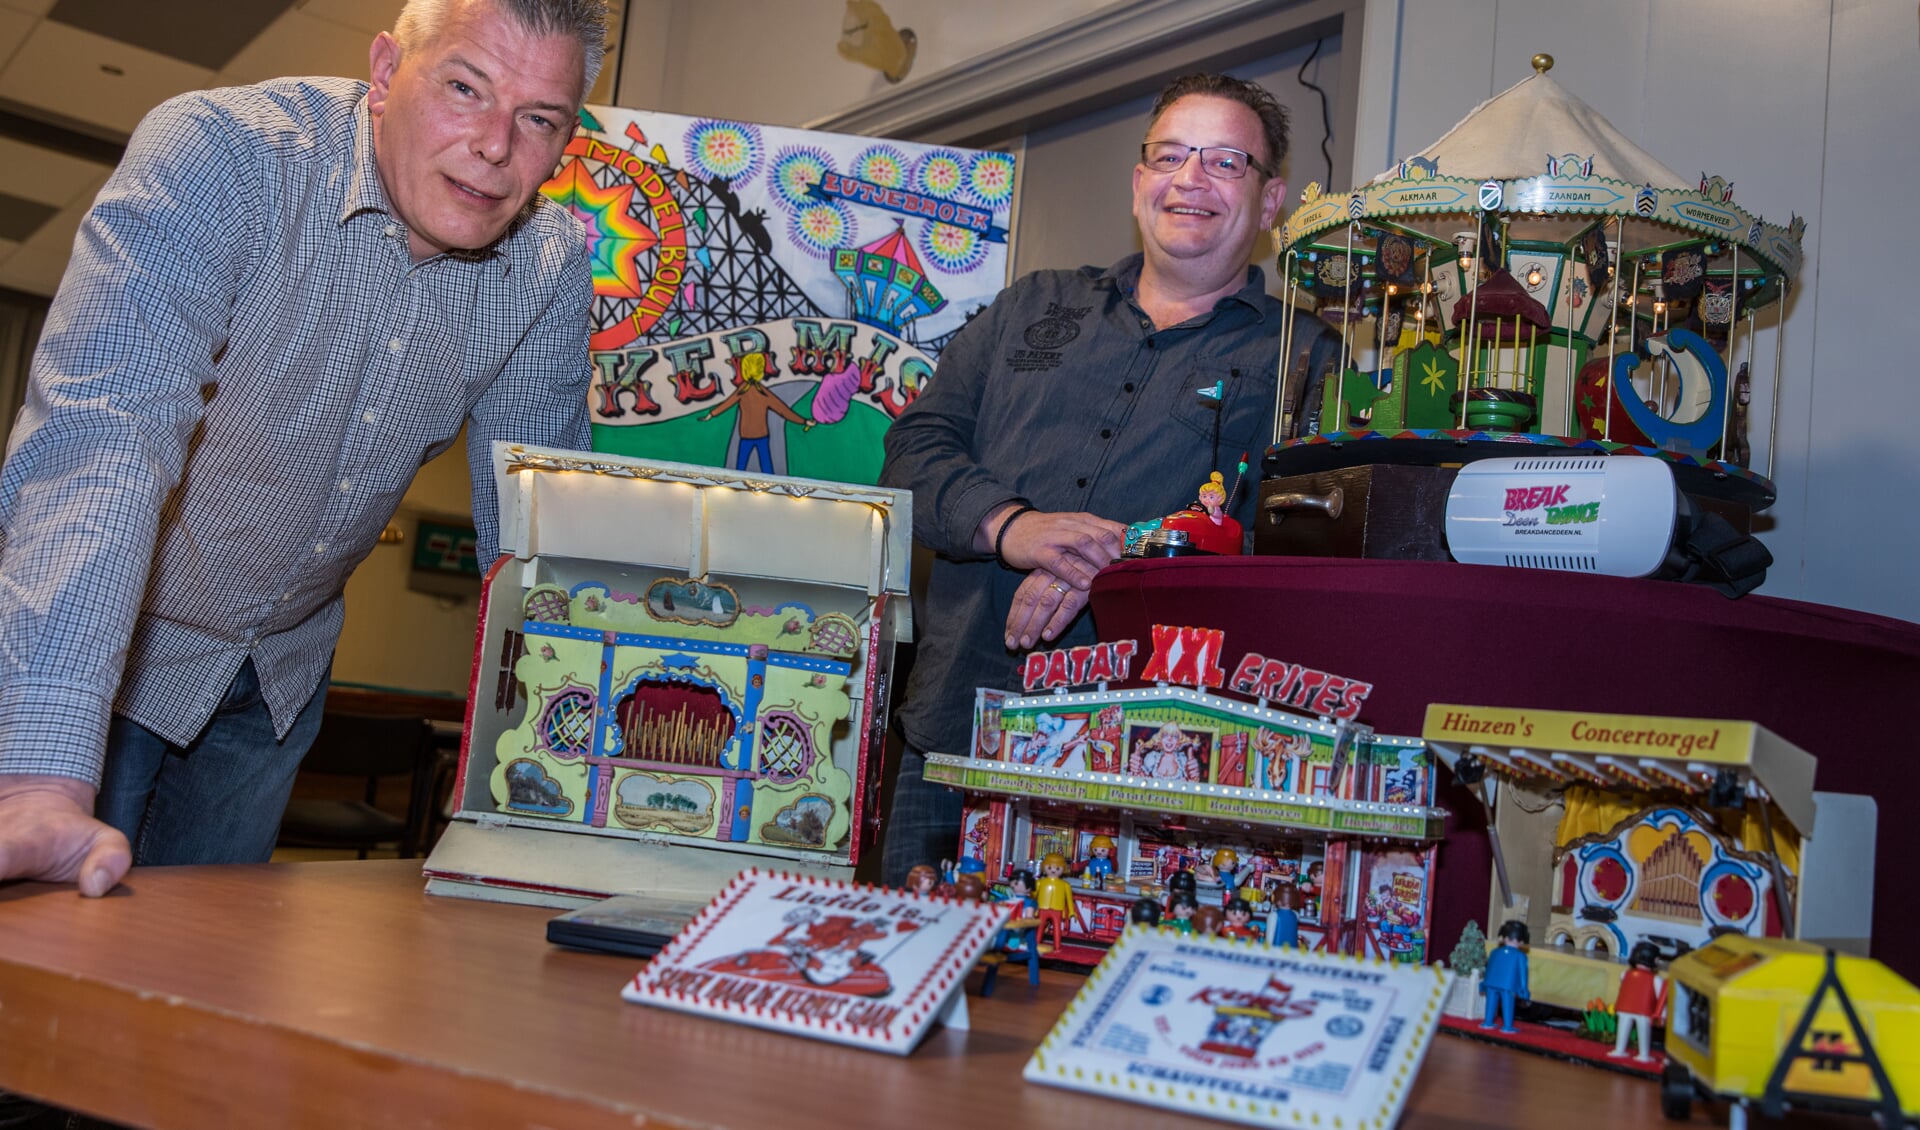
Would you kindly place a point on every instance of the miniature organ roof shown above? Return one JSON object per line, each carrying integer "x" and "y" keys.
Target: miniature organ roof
{"x": 1510, "y": 135}
{"x": 1626, "y": 751}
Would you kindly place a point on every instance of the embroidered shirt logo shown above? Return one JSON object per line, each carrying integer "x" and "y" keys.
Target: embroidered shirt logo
{"x": 1046, "y": 337}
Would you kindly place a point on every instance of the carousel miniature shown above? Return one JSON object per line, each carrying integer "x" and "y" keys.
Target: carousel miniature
{"x": 1532, "y": 282}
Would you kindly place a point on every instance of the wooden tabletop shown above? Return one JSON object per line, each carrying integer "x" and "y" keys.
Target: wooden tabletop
{"x": 339, "y": 994}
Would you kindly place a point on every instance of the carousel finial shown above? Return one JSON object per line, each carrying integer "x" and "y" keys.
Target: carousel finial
{"x": 1542, "y": 63}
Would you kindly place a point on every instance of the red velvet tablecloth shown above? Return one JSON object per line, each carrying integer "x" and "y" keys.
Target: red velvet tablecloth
{"x": 1835, "y": 682}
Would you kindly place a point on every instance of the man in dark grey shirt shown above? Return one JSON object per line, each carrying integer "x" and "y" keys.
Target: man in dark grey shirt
{"x": 1074, "y": 405}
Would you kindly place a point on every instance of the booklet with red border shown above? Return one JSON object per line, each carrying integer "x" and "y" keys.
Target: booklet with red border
{"x": 846, "y": 962}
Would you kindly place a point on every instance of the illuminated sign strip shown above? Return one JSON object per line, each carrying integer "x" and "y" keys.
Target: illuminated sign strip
{"x": 1219, "y": 802}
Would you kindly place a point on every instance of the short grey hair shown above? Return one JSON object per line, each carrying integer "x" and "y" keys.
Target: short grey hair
{"x": 585, "y": 20}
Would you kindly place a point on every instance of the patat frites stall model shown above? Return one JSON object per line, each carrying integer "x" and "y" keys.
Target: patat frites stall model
{"x": 1211, "y": 773}
{"x": 673, "y": 655}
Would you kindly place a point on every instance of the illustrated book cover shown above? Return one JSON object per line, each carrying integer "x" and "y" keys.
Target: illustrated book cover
{"x": 838, "y": 961}
{"x": 1237, "y": 1030}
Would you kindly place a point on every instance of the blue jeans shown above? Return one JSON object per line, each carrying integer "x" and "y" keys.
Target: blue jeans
{"x": 219, "y": 799}
{"x": 749, "y": 447}
{"x": 922, "y": 826}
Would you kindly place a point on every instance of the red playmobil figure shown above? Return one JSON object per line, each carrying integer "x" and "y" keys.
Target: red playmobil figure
{"x": 1239, "y": 919}
{"x": 1054, "y": 897}
{"x": 1641, "y": 1001}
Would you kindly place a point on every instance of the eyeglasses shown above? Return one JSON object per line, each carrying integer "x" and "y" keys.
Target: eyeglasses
{"x": 1215, "y": 160}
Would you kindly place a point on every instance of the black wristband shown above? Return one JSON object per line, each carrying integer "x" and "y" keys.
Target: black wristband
{"x": 1000, "y": 539}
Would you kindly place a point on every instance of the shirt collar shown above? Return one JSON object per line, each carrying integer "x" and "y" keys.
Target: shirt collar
{"x": 365, "y": 193}
{"x": 1124, "y": 277}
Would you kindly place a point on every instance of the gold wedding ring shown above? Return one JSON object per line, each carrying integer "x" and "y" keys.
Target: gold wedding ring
{"x": 1063, "y": 589}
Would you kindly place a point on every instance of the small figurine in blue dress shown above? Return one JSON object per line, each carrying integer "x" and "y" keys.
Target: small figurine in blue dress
{"x": 1285, "y": 928}
{"x": 1505, "y": 978}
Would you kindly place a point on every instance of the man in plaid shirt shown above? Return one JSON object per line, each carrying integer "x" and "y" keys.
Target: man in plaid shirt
{"x": 286, "y": 299}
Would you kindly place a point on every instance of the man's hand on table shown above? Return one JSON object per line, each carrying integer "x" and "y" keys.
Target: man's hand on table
{"x": 47, "y": 831}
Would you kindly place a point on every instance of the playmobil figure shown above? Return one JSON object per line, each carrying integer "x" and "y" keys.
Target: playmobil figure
{"x": 1144, "y": 911}
{"x": 969, "y": 886}
{"x": 1182, "y": 883}
{"x": 1019, "y": 891}
{"x": 1642, "y": 998}
{"x": 923, "y": 879}
{"x": 1208, "y": 920}
{"x": 1168, "y": 756}
{"x": 1310, "y": 888}
{"x": 1054, "y": 897}
{"x": 1180, "y": 911}
{"x": 1239, "y": 920}
{"x": 1100, "y": 861}
{"x": 1505, "y": 979}
{"x": 1226, "y": 864}
{"x": 1283, "y": 922}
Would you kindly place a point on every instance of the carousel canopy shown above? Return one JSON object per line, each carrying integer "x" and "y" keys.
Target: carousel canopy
{"x": 1546, "y": 168}
{"x": 1508, "y": 136}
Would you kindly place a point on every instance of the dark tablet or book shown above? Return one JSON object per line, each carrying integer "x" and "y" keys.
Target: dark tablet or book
{"x": 636, "y": 925}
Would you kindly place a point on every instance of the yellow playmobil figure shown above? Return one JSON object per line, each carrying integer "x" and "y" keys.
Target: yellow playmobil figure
{"x": 1054, "y": 897}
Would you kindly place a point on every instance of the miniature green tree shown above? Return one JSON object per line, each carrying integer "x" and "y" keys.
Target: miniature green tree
{"x": 1470, "y": 953}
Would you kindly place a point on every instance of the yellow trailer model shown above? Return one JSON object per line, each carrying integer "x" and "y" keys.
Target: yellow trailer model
{"x": 1776, "y": 1024}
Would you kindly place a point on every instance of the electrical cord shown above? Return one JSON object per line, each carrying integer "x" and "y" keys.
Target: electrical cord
{"x": 1326, "y": 114}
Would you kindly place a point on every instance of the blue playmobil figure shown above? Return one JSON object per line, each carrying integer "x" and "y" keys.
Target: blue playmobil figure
{"x": 1100, "y": 861}
{"x": 1505, "y": 978}
{"x": 1283, "y": 922}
